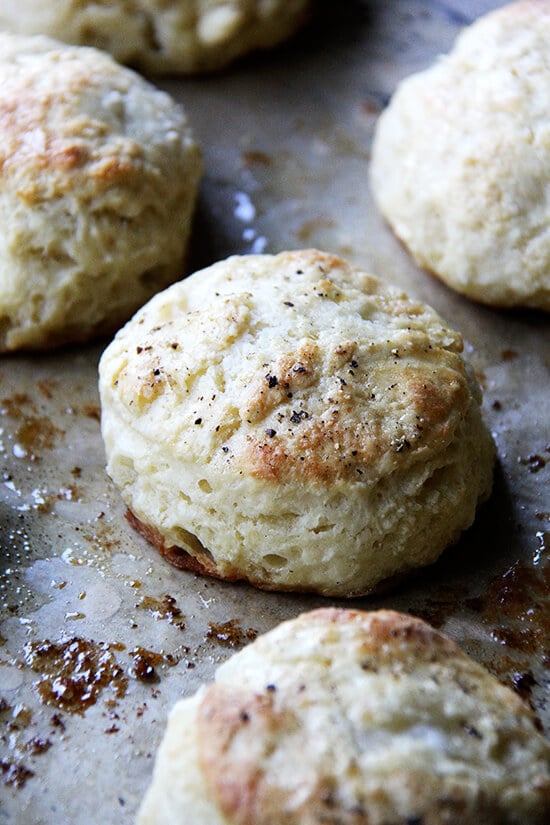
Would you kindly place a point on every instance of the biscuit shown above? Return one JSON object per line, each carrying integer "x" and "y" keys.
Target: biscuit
{"x": 461, "y": 160}
{"x": 351, "y": 718}
{"x": 181, "y": 36}
{"x": 98, "y": 185}
{"x": 292, "y": 421}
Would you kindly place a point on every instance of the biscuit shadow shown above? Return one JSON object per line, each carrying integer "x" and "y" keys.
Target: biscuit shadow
{"x": 485, "y": 551}
{"x": 212, "y": 239}
{"x": 326, "y": 32}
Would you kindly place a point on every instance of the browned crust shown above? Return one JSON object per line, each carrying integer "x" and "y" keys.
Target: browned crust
{"x": 184, "y": 560}
{"x": 206, "y": 566}
{"x": 293, "y": 373}
{"x": 65, "y": 152}
{"x": 175, "y": 555}
{"x": 242, "y": 790}
{"x": 223, "y": 713}
{"x": 336, "y": 445}
{"x": 332, "y": 441}
{"x": 383, "y": 628}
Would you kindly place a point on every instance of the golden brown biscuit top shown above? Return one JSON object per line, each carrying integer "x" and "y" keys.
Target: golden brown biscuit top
{"x": 289, "y": 366}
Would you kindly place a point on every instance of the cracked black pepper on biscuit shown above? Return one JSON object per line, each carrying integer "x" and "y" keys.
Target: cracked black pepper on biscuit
{"x": 292, "y": 421}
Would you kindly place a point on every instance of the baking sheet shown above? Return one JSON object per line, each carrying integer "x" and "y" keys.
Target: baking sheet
{"x": 99, "y": 636}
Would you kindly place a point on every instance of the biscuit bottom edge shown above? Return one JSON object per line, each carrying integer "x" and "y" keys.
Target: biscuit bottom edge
{"x": 205, "y": 565}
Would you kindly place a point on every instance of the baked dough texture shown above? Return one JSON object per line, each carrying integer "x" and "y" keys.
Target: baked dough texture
{"x": 461, "y": 160}
{"x": 292, "y": 421}
{"x": 161, "y": 36}
{"x": 98, "y": 179}
{"x": 351, "y": 718}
